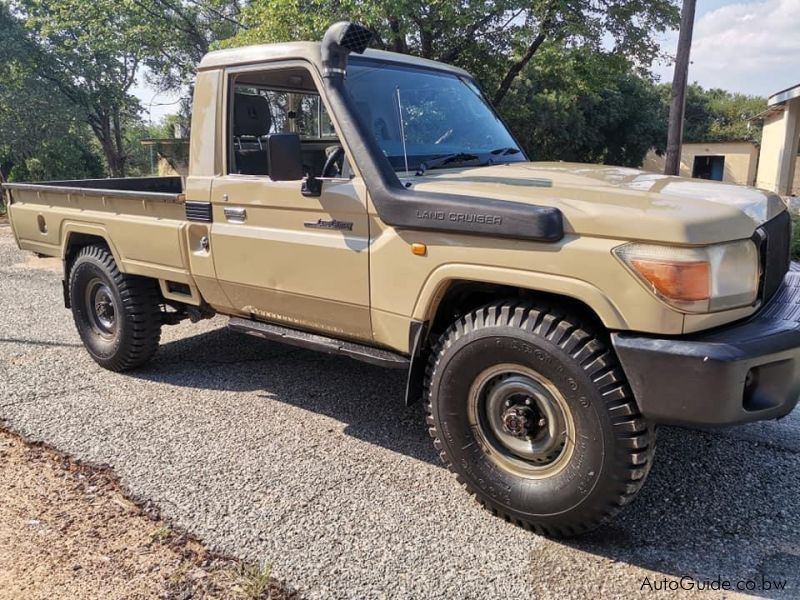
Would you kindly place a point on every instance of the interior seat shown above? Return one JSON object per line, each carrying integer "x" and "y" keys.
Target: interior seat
{"x": 252, "y": 121}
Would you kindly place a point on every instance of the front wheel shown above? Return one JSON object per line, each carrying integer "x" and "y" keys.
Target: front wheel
{"x": 118, "y": 316}
{"x": 533, "y": 415}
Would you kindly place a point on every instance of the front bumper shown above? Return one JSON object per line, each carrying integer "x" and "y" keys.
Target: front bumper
{"x": 749, "y": 371}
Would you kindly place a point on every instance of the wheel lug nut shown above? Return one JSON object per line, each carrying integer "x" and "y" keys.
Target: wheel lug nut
{"x": 528, "y": 401}
{"x": 542, "y": 422}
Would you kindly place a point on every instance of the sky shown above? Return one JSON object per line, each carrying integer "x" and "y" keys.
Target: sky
{"x": 751, "y": 47}
{"x": 156, "y": 105}
{"x": 741, "y": 46}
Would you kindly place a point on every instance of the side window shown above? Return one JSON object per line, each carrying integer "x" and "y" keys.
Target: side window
{"x": 313, "y": 122}
{"x": 275, "y": 101}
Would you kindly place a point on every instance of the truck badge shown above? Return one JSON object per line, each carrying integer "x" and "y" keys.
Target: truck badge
{"x": 329, "y": 224}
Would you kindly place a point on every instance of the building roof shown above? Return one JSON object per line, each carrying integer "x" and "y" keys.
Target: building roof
{"x": 788, "y": 94}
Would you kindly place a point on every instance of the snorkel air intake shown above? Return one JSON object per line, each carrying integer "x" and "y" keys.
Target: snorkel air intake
{"x": 341, "y": 39}
{"x": 398, "y": 205}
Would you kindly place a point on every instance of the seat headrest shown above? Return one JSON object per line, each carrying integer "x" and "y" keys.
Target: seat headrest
{"x": 251, "y": 115}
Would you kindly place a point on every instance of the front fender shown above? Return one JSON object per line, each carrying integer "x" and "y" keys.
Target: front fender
{"x": 439, "y": 280}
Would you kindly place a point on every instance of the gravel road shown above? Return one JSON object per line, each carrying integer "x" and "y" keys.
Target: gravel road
{"x": 312, "y": 463}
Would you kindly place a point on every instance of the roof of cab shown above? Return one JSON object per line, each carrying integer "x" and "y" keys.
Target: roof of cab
{"x": 309, "y": 51}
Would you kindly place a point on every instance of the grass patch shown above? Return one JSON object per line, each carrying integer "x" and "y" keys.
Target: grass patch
{"x": 253, "y": 582}
{"x": 162, "y": 534}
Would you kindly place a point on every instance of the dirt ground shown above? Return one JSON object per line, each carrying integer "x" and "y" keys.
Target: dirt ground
{"x": 68, "y": 531}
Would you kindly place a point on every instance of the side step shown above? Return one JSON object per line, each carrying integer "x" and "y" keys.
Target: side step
{"x": 312, "y": 341}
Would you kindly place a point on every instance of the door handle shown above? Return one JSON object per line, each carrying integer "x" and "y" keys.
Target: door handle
{"x": 235, "y": 215}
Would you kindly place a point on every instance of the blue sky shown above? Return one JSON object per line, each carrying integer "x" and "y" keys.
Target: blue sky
{"x": 742, "y": 46}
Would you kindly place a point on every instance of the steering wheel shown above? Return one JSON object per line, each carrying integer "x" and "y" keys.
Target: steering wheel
{"x": 333, "y": 162}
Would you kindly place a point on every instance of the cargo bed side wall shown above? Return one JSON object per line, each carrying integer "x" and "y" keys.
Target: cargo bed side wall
{"x": 145, "y": 236}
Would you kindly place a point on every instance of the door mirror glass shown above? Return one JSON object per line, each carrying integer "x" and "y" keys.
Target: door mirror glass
{"x": 284, "y": 157}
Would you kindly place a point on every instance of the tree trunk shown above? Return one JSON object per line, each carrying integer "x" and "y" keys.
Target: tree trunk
{"x": 398, "y": 42}
{"x": 122, "y": 156}
{"x": 426, "y": 43}
{"x": 109, "y": 133}
{"x": 4, "y": 194}
{"x": 517, "y": 67}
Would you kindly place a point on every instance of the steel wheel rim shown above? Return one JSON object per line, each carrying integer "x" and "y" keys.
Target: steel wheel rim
{"x": 521, "y": 420}
{"x": 101, "y": 308}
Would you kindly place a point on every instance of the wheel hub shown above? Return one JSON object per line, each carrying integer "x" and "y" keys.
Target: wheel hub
{"x": 101, "y": 308}
{"x": 519, "y": 420}
{"x": 523, "y": 420}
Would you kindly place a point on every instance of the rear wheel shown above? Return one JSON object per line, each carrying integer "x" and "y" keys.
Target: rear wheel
{"x": 532, "y": 413}
{"x": 118, "y": 316}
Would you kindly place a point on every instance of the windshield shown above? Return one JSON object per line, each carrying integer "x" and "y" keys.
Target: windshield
{"x": 420, "y": 115}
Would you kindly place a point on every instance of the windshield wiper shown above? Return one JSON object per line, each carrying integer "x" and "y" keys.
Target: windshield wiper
{"x": 504, "y": 151}
{"x": 445, "y": 160}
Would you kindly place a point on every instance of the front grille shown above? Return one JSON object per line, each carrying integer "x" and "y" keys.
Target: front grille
{"x": 775, "y": 241}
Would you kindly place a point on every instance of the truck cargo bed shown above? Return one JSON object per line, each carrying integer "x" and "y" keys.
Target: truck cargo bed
{"x": 168, "y": 189}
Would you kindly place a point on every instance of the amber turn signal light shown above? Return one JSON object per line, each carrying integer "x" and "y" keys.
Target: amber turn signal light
{"x": 696, "y": 279}
{"x": 419, "y": 249}
{"x": 678, "y": 280}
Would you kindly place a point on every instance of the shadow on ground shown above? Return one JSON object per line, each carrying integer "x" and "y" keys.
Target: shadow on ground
{"x": 712, "y": 502}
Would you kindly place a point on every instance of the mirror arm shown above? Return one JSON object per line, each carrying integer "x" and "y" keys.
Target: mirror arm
{"x": 311, "y": 186}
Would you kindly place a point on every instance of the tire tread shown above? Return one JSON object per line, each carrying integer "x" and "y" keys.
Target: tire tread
{"x": 141, "y": 308}
{"x": 635, "y": 436}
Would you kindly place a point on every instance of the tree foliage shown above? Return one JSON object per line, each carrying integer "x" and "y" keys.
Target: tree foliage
{"x": 41, "y": 137}
{"x": 88, "y": 53}
{"x": 180, "y": 32}
{"x": 720, "y": 116}
{"x": 582, "y": 105}
{"x": 494, "y": 39}
{"x": 571, "y": 77}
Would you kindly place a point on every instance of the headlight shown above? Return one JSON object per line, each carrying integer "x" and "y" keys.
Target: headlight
{"x": 697, "y": 280}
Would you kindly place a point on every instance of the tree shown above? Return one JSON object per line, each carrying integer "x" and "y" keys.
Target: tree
{"x": 717, "y": 115}
{"x": 41, "y": 137}
{"x": 180, "y": 32}
{"x": 730, "y": 115}
{"x": 495, "y": 39}
{"x": 89, "y": 53}
{"x": 577, "y": 104}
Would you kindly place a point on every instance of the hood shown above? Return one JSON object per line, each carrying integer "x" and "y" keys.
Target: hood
{"x": 618, "y": 202}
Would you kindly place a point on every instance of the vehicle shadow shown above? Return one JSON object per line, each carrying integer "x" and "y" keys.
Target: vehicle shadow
{"x": 369, "y": 400}
{"x": 713, "y": 501}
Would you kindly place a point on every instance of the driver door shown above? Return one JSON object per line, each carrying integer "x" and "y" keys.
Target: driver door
{"x": 280, "y": 255}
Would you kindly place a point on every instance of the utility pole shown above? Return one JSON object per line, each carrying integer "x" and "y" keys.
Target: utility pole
{"x": 677, "y": 105}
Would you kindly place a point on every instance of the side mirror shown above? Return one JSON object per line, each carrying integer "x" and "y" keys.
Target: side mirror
{"x": 284, "y": 157}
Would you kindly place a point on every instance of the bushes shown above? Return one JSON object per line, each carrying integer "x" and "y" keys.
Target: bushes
{"x": 795, "y": 235}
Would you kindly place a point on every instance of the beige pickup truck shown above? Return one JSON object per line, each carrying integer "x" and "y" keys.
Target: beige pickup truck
{"x": 373, "y": 204}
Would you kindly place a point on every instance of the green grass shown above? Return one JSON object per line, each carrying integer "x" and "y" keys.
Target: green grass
{"x": 253, "y": 582}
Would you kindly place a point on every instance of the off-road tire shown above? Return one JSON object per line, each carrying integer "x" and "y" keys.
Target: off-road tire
{"x": 614, "y": 445}
{"x": 136, "y": 301}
